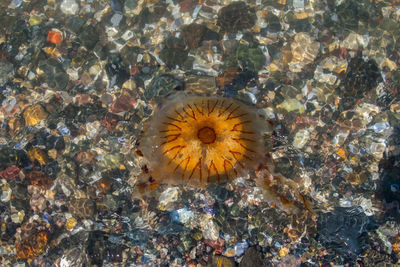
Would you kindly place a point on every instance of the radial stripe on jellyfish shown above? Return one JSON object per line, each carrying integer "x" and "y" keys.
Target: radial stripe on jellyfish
{"x": 199, "y": 140}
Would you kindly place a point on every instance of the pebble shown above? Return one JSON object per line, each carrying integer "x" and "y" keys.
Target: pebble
{"x": 6, "y": 192}
{"x": 211, "y": 230}
{"x": 6, "y": 71}
{"x": 185, "y": 215}
{"x": 82, "y": 208}
{"x": 301, "y": 138}
{"x": 18, "y": 217}
{"x": 380, "y": 127}
{"x": 8, "y": 104}
{"x": 70, "y": 223}
{"x": 32, "y": 246}
{"x": 168, "y": 197}
{"x": 34, "y": 114}
{"x": 92, "y": 129}
{"x": 15, "y": 3}
{"x": 283, "y": 252}
{"x": 222, "y": 261}
{"x": 35, "y": 20}
{"x": 377, "y": 149}
{"x": 69, "y": 7}
{"x": 63, "y": 129}
{"x": 292, "y": 104}
{"x": 304, "y": 49}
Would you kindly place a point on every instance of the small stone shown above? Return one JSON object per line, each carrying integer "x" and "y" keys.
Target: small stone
{"x": 377, "y": 149}
{"x": 251, "y": 59}
{"x": 82, "y": 208}
{"x": 193, "y": 35}
{"x": 70, "y": 223}
{"x": 161, "y": 86}
{"x": 10, "y": 173}
{"x": 292, "y": 104}
{"x": 200, "y": 84}
{"x": 34, "y": 114}
{"x": 35, "y": 20}
{"x": 89, "y": 36}
{"x": 40, "y": 179}
{"x": 112, "y": 161}
{"x": 380, "y": 127}
{"x": 38, "y": 202}
{"x": 283, "y": 252}
{"x": 252, "y": 258}
{"x": 185, "y": 215}
{"x": 15, "y": 3}
{"x": 9, "y": 105}
{"x": 173, "y": 56}
{"x": 301, "y": 138}
{"x": 36, "y": 153}
{"x": 63, "y": 129}
{"x": 104, "y": 185}
{"x": 353, "y": 41}
{"x": 129, "y": 85}
{"x": 236, "y": 17}
{"x": 169, "y": 196}
{"x": 55, "y": 36}
{"x": 343, "y": 227}
{"x": 6, "y": 71}
{"x": 211, "y": 230}
{"x": 18, "y": 217}
{"x": 322, "y": 77}
{"x": 131, "y": 7}
{"x": 240, "y": 248}
{"x": 5, "y": 193}
{"x": 69, "y": 7}
{"x": 341, "y": 153}
{"x": 396, "y": 245}
{"x": 92, "y": 129}
{"x": 227, "y": 76}
{"x": 221, "y": 261}
{"x": 304, "y": 49}
{"x": 116, "y": 19}
{"x": 32, "y": 246}
{"x": 298, "y": 3}
{"x": 85, "y": 158}
{"x": 110, "y": 121}
{"x": 361, "y": 77}
{"x": 123, "y": 103}
{"x": 273, "y": 22}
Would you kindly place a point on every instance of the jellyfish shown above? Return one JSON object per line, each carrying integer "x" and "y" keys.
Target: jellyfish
{"x": 201, "y": 140}
{"x": 197, "y": 140}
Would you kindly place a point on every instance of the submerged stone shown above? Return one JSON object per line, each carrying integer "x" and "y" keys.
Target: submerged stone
{"x": 174, "y": 53}
{"x": 362, "y": 76}
{"x": 249, "y": 58}
{"x": 340, "y": 229}
{"x": 236, "y": 17}
{"x": 6, "y": 71}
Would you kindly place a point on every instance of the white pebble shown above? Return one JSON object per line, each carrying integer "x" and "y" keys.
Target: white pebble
{"x": 69, "y": 7}
{"x": 301, "y": 138}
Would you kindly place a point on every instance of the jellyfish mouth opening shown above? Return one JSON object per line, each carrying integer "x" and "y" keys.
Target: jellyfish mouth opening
{"x": 206, "y": 135}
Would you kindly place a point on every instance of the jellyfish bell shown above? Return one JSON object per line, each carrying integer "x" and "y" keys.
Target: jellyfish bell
{"x": 200, "y": 140}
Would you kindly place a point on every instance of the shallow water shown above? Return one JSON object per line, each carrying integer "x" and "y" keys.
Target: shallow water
{"x": 82, "y": 80}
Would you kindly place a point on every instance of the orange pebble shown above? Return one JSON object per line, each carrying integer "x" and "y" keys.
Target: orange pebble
{"x": 32, "y": 246}
{"x": 54, "y": 37}
{"x": 342, "y": 153}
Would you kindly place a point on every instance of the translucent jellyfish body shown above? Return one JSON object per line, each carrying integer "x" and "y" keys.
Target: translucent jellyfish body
{"x": 198, "y": 140}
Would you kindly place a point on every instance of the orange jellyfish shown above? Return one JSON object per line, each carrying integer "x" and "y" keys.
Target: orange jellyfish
{"x": 198, "y": 140}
